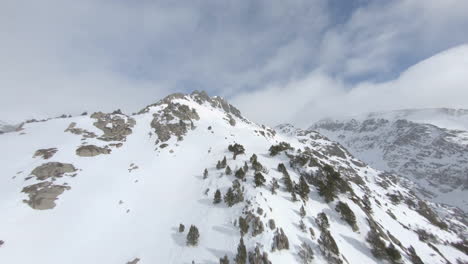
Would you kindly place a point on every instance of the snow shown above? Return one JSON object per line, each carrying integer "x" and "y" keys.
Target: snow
{"x": 89, "y": 225}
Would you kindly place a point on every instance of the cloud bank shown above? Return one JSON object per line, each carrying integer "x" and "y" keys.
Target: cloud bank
{"x": 64, "y": 56}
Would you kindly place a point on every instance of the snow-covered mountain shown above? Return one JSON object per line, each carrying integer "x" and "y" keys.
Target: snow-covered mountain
{"x": 155, "y": 187}
{"x": 418, "y": 144}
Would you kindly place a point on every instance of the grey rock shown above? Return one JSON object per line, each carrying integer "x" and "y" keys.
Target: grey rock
{"x": 91, "y": 151}
{"x": 45, "y": 153}
{"x": 52, "y": 170}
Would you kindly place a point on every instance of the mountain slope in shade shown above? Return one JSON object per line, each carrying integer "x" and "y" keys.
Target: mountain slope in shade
{"x": 435, "y": 158}
{"x": 5, "y": 127}
{"x": 112, "y": 188}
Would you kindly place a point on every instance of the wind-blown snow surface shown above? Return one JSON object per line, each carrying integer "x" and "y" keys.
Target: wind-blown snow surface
{"x": 128, "y": 204}
{"x": 5, "y": 127}
{"x": 408, "y": 143}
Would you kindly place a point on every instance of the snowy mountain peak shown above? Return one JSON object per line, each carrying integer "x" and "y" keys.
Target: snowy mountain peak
{"x": 190, "y": 180}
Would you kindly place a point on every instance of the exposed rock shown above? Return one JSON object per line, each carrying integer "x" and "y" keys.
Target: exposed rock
{"x": 271, "y": 224}
{"x": 280, "y": 240}
{"x": 79, "y": 131}
{"x": 116, "y": 127}
{"x": 42, "y": 195}
{"x": 173, "y": 120}
{"x": 91, "y": 151}
{"x": 52, "y": 170}
{"x": 257, "y": 257}
{"x": 135, "y": 261}
{"x": 45, "y": 153}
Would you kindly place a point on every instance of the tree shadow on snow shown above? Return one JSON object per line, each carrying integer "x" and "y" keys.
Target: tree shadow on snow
{"x": 228, "y": 230}
{"x": 220, "y": 253}
{"x": 360, "y": 246}
{"x": 179, "y": 238}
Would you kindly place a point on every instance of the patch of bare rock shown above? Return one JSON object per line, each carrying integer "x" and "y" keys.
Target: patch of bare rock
{"x": 45, "y": 153}
{"x": 91, "y": 151}
{"x": 42, "y": 195}
{"x": 116, "y": 126}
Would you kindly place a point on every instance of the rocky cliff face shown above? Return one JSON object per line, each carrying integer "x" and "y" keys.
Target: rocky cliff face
{"x": 190, "y": 180}
{"x": 435, "y": 158}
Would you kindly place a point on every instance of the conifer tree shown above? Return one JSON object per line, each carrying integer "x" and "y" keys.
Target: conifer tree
{"x": 205, "y": 174}
{"x": 259, "y": 179}
{"x": 217, "y": 197}
{"x": 240, "y": 174}
{"x": 302, "y": 212}
{"x": 246, "y": 167}
{"x": 193, "y": 236}
{"x": 274, "y": 186}
{"x": 243, "y": 225}
{"x": 302, "y": 226}
{"x": 228, "y": 170}
{"x": 218, "y": 165}
{"x": 253, "y": 159}
{"x": 236, "y": 149}
{"x": 303, "y": 189}
{"x": 288, "y": 182}
{"x": 241, "y": 257}
{"x": 223, "y": 163}
{"x": 181, "y": 228}
{"x": 229, "y": 197}
{"x": 224, "y": 260}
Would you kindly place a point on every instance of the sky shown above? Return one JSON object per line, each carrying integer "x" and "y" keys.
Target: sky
{"x": 278, "y": 61}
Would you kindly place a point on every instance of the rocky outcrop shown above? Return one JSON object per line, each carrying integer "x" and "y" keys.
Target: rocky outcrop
{"x": 52, "y": 170}
{"x": 79, "y": 131}
{"x": 174, "y": 120}
{"x": 280, "y": 240}
{"x": 135, "y": 261}
{"x": 116, "y": 126}
{"x": 42, "y": 196}
{"x": 91, "y": 151}
{"x": 45, "y": 153}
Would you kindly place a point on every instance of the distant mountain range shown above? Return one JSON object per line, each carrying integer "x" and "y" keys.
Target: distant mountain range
{"x": 429, "y": 146}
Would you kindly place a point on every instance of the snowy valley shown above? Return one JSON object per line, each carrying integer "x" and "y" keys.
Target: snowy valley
{"x": 189, "y": 179}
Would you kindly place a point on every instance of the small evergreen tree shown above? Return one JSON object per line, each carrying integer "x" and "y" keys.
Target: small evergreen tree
{"x": 236, "y": 149}
{"x": 224, "y": 163}
{"x": 193, "y": 236}
{"x": 205, "y": 174}
{"x": 240, "y": 174}
{"x": 246, "y": 167}
{"x": 228, "y": 170}
{"x": 229, "y": 197}
{"x": 288, "y": 182}
{"x": 217, "y": 197}
{"x": 322, "y": 221}
{"x": 393, "y": 253}
{"x": 241, "y": 257}
{"x": 253, "y": 158}
{"x": 243, "y": 225}
{"x": 282, "y": 146}
{"x": 305, "y": 253}
{"x": 224, "y": 260}
{"x": 303, "y": 189}
{"x": 302, "y": 226}
{"x": 282, "y": 168}
{"x": 181, "y": 228}
{"x": 218, "y": 165}
{"x": 302, "y": 212}
{"x": 259, "y": 179}
{"x": 274, "y": 186}
{"x": 347, "y": 214}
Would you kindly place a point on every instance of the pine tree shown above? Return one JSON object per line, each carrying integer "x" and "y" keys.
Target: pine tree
{"x": 288, "y": 182}
{"x": 302, "y": 212}
{"x": 217, "y": 197}
{"x": 223, "y": 163}
{"x": 224, "y": 260}
{"x": 240, "y": 174}
{"x": 243, "y": 225}
{"x": 246, "y": 167}
{"x": 181, "y": 228}
{"x": 218, "y": 165}
{"x": 282, "y": 168}
{"x": 193, "y": 236}
{"x": 229, "y": 197}
{"x": 236, "y": 149}
{"x": 303, "y": 189}
{"x": 228, "y": 170}
{"x": 302, "y": 226}
{"x": 274, "y": 186}
{"x": 241, "y": 257}
{"x": 259, "y": 179}
{"x": 253, "y": 159}
{"x": 205, "y": 174}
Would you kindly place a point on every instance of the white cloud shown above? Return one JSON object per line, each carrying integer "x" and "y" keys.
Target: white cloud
{"x": 439, "y": 81}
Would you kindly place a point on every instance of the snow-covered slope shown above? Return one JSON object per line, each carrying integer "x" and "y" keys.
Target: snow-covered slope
{"x": 5, "y": 127}
{"x": 112, "y": 188}
{"x": 409, "y": 143}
